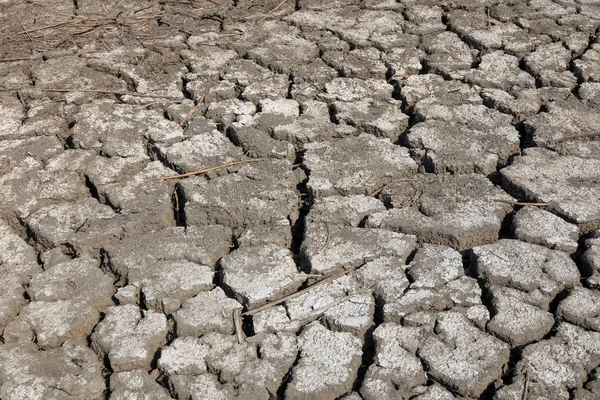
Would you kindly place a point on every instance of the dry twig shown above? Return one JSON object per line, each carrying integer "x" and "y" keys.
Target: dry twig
{"x": 271, "y": 12}
{"x": 205, "y": 170}
{"x": 300, "y": 292}
{"x": 525, "y": 386}
{"x": 195, "y": 108}
{"x": 578, "y": 136}
{"x": 521, "y": 203}
{"x": 237, "y": 322}
{"x": 99, "y": 91}
{"x": 375, "y": 193}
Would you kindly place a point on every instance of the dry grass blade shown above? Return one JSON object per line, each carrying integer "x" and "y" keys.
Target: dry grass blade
{"x": 521, "y": 203}
{"x": 579, "y": 136}
{"x": 205, "y": 170}
{"x": 271, "y": 12}
{"x": 300, "y": 292}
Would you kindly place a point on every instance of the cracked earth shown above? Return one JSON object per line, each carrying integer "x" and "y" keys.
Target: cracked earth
{"x": 440, "y": 159}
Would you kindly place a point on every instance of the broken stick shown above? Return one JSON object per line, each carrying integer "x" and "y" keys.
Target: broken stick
{"x": 521, "y": 203}
{"x": 299, "y": 292}
{"x": 205, "y": 170}
{"x": 578, "y": 136}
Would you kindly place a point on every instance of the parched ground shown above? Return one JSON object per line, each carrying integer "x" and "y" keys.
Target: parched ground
{"x": 436, "y": 162}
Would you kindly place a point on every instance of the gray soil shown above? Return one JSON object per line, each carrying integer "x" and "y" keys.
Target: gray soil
{"x": 441, "y": 158}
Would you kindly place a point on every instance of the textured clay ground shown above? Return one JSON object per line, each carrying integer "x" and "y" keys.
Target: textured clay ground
{"x": 388, "y": 139}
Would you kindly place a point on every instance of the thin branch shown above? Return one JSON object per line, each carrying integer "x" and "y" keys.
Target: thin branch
{"x": 525, "y": 386}
{"x": 300, "y": 292}
{"x": 24, "y": 30}
{"x": 521, "y": 203}
{"x": 375, "y": 193}
{"x": 237, "y": 322}
{"x": 3, "y": 60}
{"x": 205, "y": 170}
{"x": 195, "y": 108}
{"x": 578, "y": 136}
{"x": 100, "y": 91}
{"x": 271, "y": 12}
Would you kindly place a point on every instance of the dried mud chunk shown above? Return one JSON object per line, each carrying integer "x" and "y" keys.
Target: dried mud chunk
{"x": 564, "y": 119}
{"x": 558, "y": 364}
{"x": 198, "y": 387}
{"x": 396, "y": 368}
{"x": 441, "y": 140}
{"x": 65, "y": 302}
{"x": 463, "y": 357}
{"x": 206, "y": 312}
{"x": 355, "y": 315}
{"x": 259, "y": 274}
{"x": 515, "y": 321}
{"x": 329, "y": 248}
{"x": 379, "y": 118}
{"x": 431, "y": 90}
{"x": 448, "y": 55}
{"x": 28, "y": 373}
{"x": 358, "y": 63}
{"x": 38, "y": 189}
{"x": 538, "y": 226}
{"x": 344, "y": 210}
{"x": 208, "y": 61}
{"x": 498, "y": 70}
{"x": 566, "y": 182}
{"x": 328, "y": 364}
{"x": 144, "y": 196}
{"x": 11, "y": 300}
{"x": 136, "y": 385}
{"x": 201, "y": 246}
{"x": 259, "y": 193}
{"x": 60, "y": 224}
{"x": 458, "y": 211}
{"x": 582, "y": 308}
{"x": 377, "y": 162}
{"x": 591, "y": 261}
{"x": 586, "y": 67}
{"x": 438, "y": 283}
{"x": 202, "y": 151}
{"x": 534, "y": 270}
{"x": 12, "y": 115}
{"x": 129, "y": 337}
{"x": 18, "y": 260}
